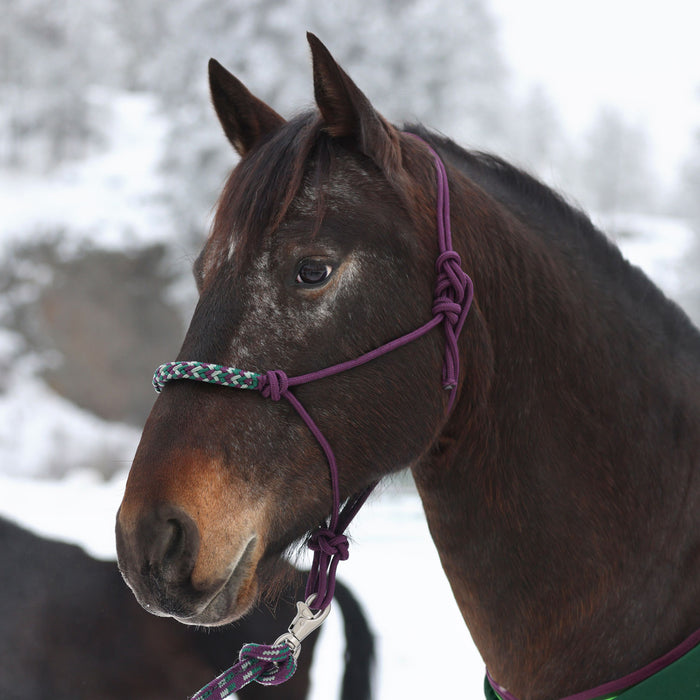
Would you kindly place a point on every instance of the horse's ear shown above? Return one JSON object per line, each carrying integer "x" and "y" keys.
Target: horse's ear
{"x": 347, "y": 112}
{"x": 244, "y": 118}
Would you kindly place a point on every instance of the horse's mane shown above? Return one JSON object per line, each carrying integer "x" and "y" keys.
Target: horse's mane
{"x": 570, "y": 230}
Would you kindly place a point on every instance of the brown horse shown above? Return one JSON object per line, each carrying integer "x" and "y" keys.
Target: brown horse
{"x": 71, "y": 630}
{"x": 562, "y": 490}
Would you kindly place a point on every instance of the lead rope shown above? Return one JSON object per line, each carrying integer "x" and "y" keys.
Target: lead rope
{"x": 276, "y": 663}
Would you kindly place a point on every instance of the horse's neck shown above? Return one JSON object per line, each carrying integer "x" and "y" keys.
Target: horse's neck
{"x": 564, "y": 494}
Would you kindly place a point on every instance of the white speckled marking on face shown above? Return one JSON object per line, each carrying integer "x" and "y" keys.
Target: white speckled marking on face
{"x": 266, "y": 321}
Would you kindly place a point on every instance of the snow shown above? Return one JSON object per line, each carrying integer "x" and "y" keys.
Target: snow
{"x": 41, "y": 432}
{"x": 657, "y": 244}
{"x": 79, "y": 508}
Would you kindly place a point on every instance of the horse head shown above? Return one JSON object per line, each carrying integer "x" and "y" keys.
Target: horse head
{"x": 322, "y": 248}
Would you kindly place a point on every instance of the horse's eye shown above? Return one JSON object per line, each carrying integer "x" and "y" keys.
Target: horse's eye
{"x": 313, "y": 272}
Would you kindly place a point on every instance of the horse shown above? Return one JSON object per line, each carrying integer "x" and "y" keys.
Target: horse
{"x": 559, "y": 471}
{"x": 71, "y": 630}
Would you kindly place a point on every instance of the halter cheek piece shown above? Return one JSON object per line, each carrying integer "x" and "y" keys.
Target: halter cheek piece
{"x": 452, "y": 299}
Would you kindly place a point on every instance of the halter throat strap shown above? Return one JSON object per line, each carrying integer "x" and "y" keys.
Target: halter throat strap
{"x": 451, "y": 302}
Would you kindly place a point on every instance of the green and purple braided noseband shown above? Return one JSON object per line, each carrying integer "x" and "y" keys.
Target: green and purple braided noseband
{"x": 202, "y": 372}
{"x": 452, "y": 299}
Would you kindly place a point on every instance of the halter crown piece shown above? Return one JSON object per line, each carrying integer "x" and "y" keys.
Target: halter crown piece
{"x": 274, "y": 664}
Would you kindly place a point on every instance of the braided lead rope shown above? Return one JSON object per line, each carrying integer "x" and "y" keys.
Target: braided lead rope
{"x": 263, "y": 663}
{"x": 267, "y": 664}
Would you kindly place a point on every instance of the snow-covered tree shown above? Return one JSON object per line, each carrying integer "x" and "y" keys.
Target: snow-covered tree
{"x": 537, "y": 140}
{"x": 434, "y": 61}
{"x": 614, "y": 169}
{"x": 52, "y": 54}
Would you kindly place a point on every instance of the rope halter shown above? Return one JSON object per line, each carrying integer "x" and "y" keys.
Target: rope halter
{"x": 452, "y": 298}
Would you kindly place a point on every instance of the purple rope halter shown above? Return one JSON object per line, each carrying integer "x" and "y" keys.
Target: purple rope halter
{"x": 452, "y": 299}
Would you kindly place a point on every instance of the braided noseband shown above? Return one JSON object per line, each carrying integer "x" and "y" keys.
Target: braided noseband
{"x": 452, "y": 299}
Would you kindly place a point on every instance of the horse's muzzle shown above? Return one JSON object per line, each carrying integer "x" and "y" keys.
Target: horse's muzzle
{"x": 158, "y": 556}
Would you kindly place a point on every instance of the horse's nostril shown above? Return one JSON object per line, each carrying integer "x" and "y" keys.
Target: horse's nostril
{"x": 175, "y": 547}
{"x": 174, "y": 543}
{"x": 157, "y": 555}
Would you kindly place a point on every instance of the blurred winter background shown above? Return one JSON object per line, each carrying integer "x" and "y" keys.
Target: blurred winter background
{"x": 111, "y": 159}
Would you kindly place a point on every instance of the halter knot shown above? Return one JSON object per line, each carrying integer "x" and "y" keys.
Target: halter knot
{"x": 452, "y": 300}
{"x": 274, "y": 384}
{"x": 330, "y": 543}
{"x": 451, "y": 285}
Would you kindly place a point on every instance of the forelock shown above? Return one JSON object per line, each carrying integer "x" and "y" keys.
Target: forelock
{"x": 262, "y": 188}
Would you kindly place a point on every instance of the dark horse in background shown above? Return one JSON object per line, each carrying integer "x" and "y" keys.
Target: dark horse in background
{"x": 563, "y": 490}
{"x": 71, "y": 630}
